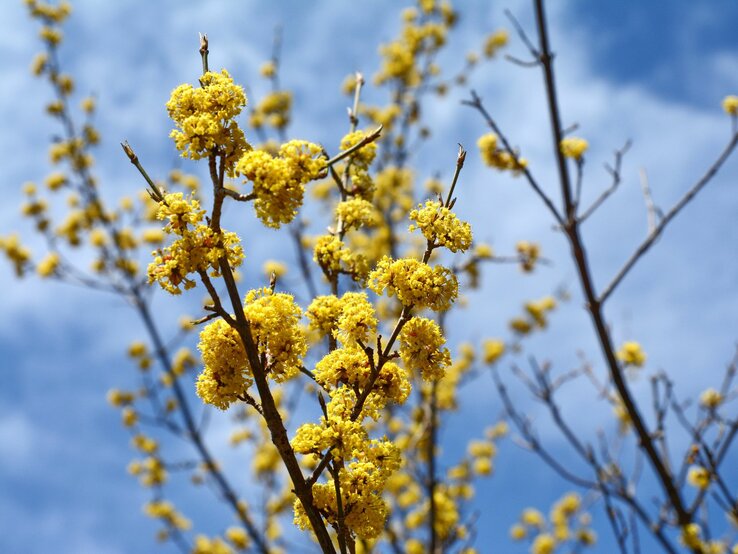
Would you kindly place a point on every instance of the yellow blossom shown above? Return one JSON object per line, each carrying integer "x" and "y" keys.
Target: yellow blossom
{"x": 493, "y": 349}
{"x": 279, "y": 182}
{"x": 224, "y": 377}
{"x": 415, "y": 283}
{"x": 699, "y": 477}
{"x": 204, "y": 117}
{"x": 48, "y": 265}
{"x": 730, "y": 105}
{"x": 711, "y": 399}
{"x": 421, "y": 348}
{"x": 441, "y": 227}
{"x": 631, "y": 354}
{"x": 573, "y": 147}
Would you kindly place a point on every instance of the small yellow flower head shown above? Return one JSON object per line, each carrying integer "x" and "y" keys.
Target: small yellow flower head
{"x": 518, "y": 532}
{"x": 415, "y": 283}
{"x": 532, "y": 518}
{"x": 268, "y": 69}
{"x": 204, "y": 545}
{"x": 225, "y": 375}
{"x": 364, "y": 156}
{"x": 573, "y": 147}
{"x": 323, "y": 313}
{"x": 56, "y": 180}
{"x": 273, "y": 267}
{"x": 543, "y": 544}
{"x": 196, "y": 250}
{"x": 161, "y": 509}
{"x": 16, "y": 253}
{"x": 274, "y": 319}
{"x": 88, "y": 105}
{"x": 730, "y": 105}
{"x": 274, "y": 110}
{"x": 631, "y": 354}
{"x": 493, "y": 349}
{"x": 356, "y": 212}
{"x": 494, "y": 42}
{"x": 50, "y": 35}
{"x": 334, "y": 257}
{"x": 238, "y": 537}
{"x": 690, "y": 536}
{"x": 357, "y": 320}
{"x": 711, "y": 399}
{"x": 48, "y": 266}
{"x": 39, "y": 64}
{"x": 497, "y": 157}
{"x": 204, "y": 118}
{"x": 699, "y": 477}
{"x": 279, "y": 182}
{"x": 421, "y": 347}
{"x": 118, "y": 398}
{"x": 440, "y": 226}
{"x": 152, "y": 236}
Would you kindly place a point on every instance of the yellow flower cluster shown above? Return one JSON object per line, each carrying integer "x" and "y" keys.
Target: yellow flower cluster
{"x": 197, "y": 249}
{"x": 364, "y": 156}
{"x": 226, "y": 373}
{"x": 631, "y": 354}
{"x": 573, "y": 147}
{"x": 562, "y": 520}
{"x": 274, "y": 319}
{"x": 150, "y": 471}
{"x": 362, "y": 479}
{"x": 351, "y": 366}
{"x": 691, "y": 537}
{"x": 359, "y": 162}
{"x": 441, "y": 227}
{"x": 482, "y": 453}
{"x": 699, "y": 477}
{"x": 711, "y": 399}
{"x": 323, "y": 313}
{"x": 273, "y": 110}
{"x": 535, "y": 316}
{"x": 205, "y": 118}
{"x": 279, "y": 181}
{"x": 499, "y": 158}
{"x": 493, "y": 349}
{"x": 18, "y": 254}
{"x": 448, "y": 385}
{"x": 415, "y": 283}
{"x": 356, "y": 320}
{"x": 730, "y": 105}
{"x": 48, "y": 12}
{"x": 394, "y": 191}
{"x": 494, "y": 42}
{"x": 49, "y": 265}
{"x": 400, "y": 57}
{"x": 421, "y": 348}
{"x": 529, "y": 252}
{"x": 205, "y": 545}
{"x": 334, "y": 257}
{"x": 356, "y": 213}
{"x": 165, "y": 511}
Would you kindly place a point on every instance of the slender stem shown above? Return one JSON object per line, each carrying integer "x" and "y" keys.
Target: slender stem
{"x": 658, "y": 229}
{"x": 204, "y": 52}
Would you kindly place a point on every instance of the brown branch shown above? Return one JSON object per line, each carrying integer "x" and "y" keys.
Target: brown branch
{"x": 594, "y": 304}
{"x": 651, "y": 238}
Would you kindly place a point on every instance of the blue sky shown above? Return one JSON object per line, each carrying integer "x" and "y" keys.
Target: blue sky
{"x": 653, "y": 72}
